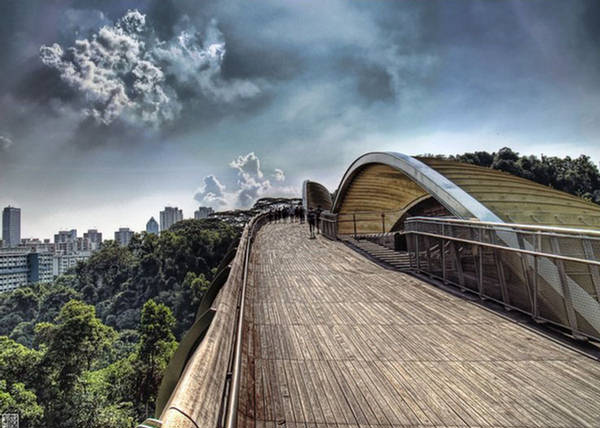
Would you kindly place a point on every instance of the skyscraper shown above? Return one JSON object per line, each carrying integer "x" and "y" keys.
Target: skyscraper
{"x": 11, "y": 226}
{"x": 203, "y": 212}
{"x": 169, "y": 217}
{"x": 66, "y": 240}
{"x": 152, "y": 226}
{"x": 92, "y": 239}
{"x": 123, "y": 236}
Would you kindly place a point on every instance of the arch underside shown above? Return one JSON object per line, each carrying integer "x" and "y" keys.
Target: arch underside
{"x": 378, "y": 196}
{"x": 390, "y": 183}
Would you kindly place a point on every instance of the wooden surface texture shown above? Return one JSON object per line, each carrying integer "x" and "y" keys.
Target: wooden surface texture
{"x": 334, "y": 340}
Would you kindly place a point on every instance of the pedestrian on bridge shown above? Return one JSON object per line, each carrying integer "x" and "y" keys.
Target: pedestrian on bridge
{"x": 312, "y": 219}
{"x": 318, "y": 212}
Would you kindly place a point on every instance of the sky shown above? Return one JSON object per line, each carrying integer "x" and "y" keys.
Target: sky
{"x": 111, "y": 110}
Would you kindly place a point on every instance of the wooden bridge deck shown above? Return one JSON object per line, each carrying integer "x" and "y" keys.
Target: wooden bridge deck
{"x": 333, "y": 339}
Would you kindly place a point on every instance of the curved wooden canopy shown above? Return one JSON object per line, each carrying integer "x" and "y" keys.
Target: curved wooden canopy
{"x": 392, "y": 183}
{"x": 315, "y": 195}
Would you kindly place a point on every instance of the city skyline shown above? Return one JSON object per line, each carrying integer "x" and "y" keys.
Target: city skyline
{"x": 92, "y": 231}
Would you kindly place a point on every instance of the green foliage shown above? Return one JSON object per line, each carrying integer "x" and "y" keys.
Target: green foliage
{"x": 23, "y": 308}
{"x": 157, "y": 344}
{"x": 174, "y": 268}
{"x": 119, "y": 280}
{"x": 91, "y": 348}
{"x": 76, "y": 339}
{"x": 18, "y": 399}
{"x": 17, "y": 362}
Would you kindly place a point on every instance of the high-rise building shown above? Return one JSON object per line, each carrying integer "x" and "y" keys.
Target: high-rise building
{"x": 203, "y": 212}
{"x": 18, "y": 268}
{"x": 66, "y": 241}
{"x": 169, "y": 217}
{"x": 92, "y": 239}
{"x": 152, "y": 226}
{"x": 11, "y": 226}
{"x": 123, "y": 236}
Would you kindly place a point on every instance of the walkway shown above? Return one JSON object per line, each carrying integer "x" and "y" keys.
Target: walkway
{"x": 335, "y": 340}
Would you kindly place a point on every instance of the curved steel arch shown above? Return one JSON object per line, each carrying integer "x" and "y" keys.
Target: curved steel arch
{"x": 455, "y": 199}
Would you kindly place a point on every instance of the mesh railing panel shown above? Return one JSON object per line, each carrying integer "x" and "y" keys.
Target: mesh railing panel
{"x": 553, "y": 276}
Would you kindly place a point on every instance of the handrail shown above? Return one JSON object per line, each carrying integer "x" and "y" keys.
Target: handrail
{"x": 509, "y": 249}
{"x": 212, "y": 372}
{"x": 544, "y": 281}
{"x": 544, "y": 228}
{"x": 234, "y": 386}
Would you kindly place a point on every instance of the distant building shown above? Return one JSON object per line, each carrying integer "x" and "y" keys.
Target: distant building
{"x": 203, "y": 212}
{"x": 11, "y": 226}
{"x": 123, "y": 236}
{"x": 66, "y": 241}
{"x": 169, "y": 217}
{"x": 92, "y": 239}
{"x": 62, "y": 262}
{"x": 34, "y": 245}
{"x": 152, "y": 226}
{"x": 18, "y": 268}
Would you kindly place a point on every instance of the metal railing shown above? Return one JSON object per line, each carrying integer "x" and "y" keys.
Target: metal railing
{"x": 549, "y": 273}
{"x": 231, "y": 391}
{"x": 207, "y": 366}
{"x": 358, "y": 223}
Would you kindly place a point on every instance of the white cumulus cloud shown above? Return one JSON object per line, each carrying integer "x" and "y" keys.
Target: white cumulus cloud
{"x": 123, "y": 71}
{"x": 211, "y": 192}
{"x": 251, "y": 185}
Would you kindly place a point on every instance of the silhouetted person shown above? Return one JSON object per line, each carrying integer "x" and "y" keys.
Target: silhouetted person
{"x": 312, "y": 218}
{"x": 318, "y": 212}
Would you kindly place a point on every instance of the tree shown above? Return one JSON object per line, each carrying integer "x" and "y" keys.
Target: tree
{"x": 18, "y": 399}
{"x": 157, "y": 344}
{"x": 18, "y": 363}
{"x": 72, "y": 344}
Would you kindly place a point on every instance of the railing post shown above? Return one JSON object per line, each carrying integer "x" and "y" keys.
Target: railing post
{"x": 417, "y": 252}
{"x": 536, "y": 309}
{"x": 382, "y": 222}
{"x": 480, "y": 276}
{"x": 443, "y": 255}
{"x": 564, "y": 282}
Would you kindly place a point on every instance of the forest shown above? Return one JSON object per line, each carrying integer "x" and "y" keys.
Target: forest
{"x": 89, "y": 350}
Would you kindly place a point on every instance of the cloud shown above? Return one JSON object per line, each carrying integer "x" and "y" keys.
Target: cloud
{"x": 196, "y": 62}
{"x": 211, "y": 192}
{"x": 251, "y": 185}
{"x": 5, "y": 143}
{"x": 278, "y": 175}
{"x": 124, "y": 72}
{"x": 248, "y": 166}
{"x": 81, "y": 22}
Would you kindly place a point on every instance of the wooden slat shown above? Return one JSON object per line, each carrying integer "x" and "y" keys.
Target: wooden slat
{"x": 340, "y": 342}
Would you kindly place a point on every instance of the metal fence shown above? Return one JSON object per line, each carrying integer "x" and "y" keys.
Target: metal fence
{"x": 358, "y": 223}
{"x": 552, "y": 274}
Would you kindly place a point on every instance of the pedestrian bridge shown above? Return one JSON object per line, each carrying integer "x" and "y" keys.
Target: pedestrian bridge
{"x": 303, "y": 333}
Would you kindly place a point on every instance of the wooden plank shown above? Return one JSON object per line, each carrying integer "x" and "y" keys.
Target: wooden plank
{"x": 340, "y": 342}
